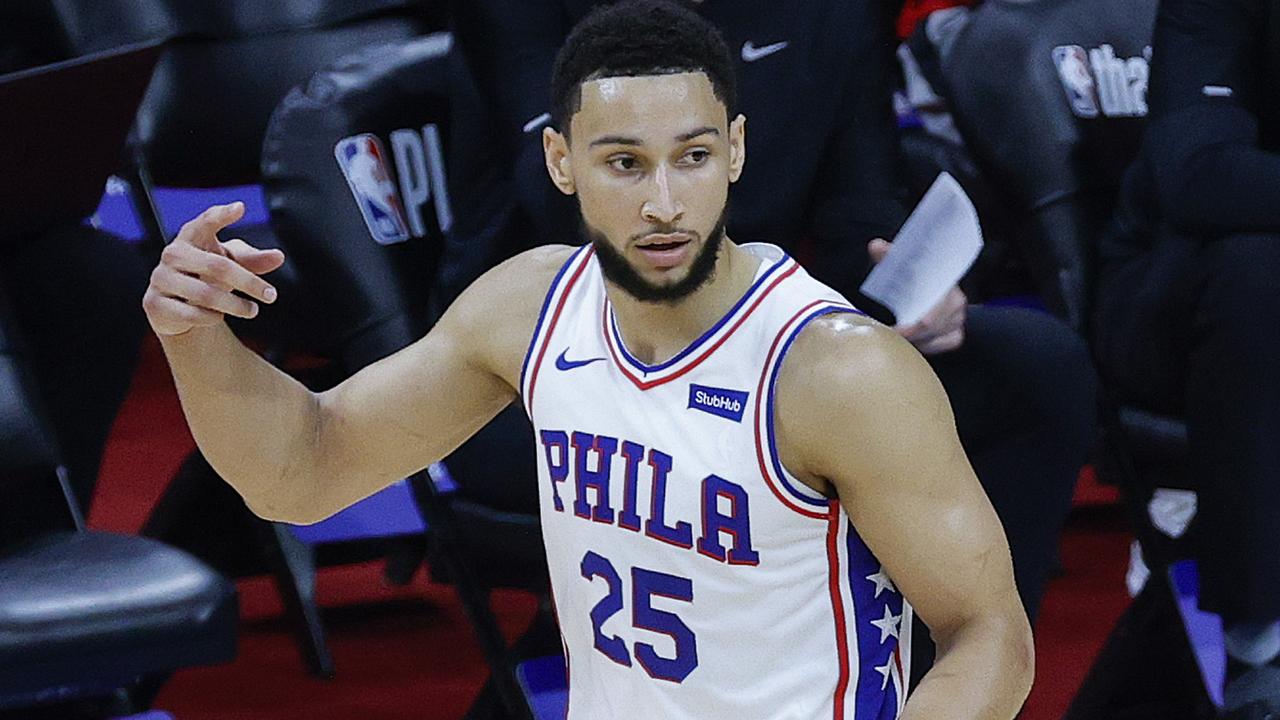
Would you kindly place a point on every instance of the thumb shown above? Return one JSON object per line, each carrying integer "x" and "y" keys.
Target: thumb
{"x": 878, "y": 248}
{"x": 255, "y": 260}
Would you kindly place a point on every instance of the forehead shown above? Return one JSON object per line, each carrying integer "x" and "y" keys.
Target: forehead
{"x": 647, "y": 106}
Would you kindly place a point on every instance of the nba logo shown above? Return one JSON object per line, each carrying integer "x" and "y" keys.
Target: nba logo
{"x": 363, "y": 162}
{"x": 1077, "y": 80}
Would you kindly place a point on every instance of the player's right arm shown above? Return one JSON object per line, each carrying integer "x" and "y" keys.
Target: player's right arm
{"x": 299, "y": 456}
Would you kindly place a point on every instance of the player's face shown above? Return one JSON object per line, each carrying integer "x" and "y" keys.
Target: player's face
{"x": 651, "y": 159}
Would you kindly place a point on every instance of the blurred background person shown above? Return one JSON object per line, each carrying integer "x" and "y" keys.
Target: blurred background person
{"x": 1188, "y": 313}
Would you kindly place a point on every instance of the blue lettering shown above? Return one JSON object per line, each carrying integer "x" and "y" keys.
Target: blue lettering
{"x": 737, "y": 524}
{"x": 633, "y": 454}
{"x": 557, "y": 462}
{"x": 656, "y": 526}
{"x": 596, "y": 480}
{"x": 725, "y": 518}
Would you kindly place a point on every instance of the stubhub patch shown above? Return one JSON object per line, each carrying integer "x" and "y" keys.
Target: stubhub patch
{"x": 728, "y": 404}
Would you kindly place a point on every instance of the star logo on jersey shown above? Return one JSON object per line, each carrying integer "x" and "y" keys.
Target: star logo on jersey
{"x": 889, "y": 625}
{"x": 564, "y": 363}
{"x": 751, "y": 53}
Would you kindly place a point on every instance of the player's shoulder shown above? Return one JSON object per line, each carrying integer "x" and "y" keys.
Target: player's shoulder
{"x": 852, "y": 362}
{"x": 516, "y": 283}
{"x": 498, "y": 312}
{"x": 532, "y": 270}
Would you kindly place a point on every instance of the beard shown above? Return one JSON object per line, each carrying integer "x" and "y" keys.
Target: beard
{"x": 618, "y": 271}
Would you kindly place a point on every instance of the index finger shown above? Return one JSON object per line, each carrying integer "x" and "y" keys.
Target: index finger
{"x": 202, "y": 230}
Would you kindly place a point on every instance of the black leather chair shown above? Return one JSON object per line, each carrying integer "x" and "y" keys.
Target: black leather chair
{"x": 90, "y": 622}
{"x": 200, "y": 126}
{"x": 411, "y": 104}
{"x": 1050, "y": 97}
{"x": 225, "y": 67}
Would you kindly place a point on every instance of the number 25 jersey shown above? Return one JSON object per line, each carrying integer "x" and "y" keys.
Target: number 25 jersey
{"x": 693, "y": 575}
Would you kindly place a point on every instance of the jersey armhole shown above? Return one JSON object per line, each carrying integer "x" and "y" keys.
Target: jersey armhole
{"x": 552, "y": 305}
{"x": 785, "y": 486}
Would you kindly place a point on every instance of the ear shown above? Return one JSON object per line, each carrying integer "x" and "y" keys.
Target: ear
{"x": 737, "y": 147}
{"x": 555, "y": 150}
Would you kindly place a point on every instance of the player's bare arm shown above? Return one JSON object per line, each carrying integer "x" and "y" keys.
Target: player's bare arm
{"x": 299, "y": 456}
{"x": 861, "y": 414}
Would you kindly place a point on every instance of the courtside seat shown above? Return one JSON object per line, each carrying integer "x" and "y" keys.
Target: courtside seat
{"x": 197, "y": 140}
{"x": 225, "y": 67}
{"x": 86, "y": 614}
{"x": 80, "y": 605}
{"x": 354, "y": 171}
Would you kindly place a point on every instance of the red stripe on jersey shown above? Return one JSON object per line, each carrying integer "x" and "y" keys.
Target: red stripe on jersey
{"x": 837, "y": 607}
{"x": 646, "y": 384}
{"x": 555, "y": 318}
{"x": 760, "y": 393}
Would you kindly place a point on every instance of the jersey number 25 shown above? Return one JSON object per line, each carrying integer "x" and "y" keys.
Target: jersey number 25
{"x": 645, "y": 584}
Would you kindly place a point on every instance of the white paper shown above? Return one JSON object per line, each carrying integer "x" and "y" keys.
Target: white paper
{"x": 933, "y": 250}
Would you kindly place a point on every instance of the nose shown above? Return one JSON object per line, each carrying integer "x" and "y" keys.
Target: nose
{"x": 662, "y": 208}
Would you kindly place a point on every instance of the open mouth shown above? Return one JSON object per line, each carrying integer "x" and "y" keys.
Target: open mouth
{"x": 664, "y": 245}
{"x": 664, "y": 251}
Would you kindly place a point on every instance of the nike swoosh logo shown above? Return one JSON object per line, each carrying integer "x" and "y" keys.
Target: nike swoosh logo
{"x": 564, "y": 363}
{"x": 751, "y": 53}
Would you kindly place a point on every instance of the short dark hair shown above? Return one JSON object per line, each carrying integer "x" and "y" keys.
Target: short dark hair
{"x": 633, "y": 38}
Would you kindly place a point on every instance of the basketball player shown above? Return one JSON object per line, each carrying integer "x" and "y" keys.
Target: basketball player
{"x": 746, "y": 486}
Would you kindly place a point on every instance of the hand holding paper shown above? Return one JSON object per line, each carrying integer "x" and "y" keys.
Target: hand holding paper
{"x": 916, "y": 276}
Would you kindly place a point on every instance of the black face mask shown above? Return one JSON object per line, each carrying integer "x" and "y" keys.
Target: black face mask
{"x": 618, "y": 271}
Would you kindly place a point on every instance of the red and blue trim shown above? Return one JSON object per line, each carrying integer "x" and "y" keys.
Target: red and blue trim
{"x": 793, "y": 493}
{"x": 876, "y": 697}
{"x": 557, "y": 294}
{"x": 645, "y": 377}
{"x": 835, "y": 579}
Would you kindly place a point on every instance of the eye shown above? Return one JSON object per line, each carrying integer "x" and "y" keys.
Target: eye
{"x": 697, "y": 156}
{"x": 623, "y": 163}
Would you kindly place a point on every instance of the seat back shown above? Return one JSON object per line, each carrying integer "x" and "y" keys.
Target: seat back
{"x": 226, "y": 67}
{"x": 355, "y": 179}
{"x": 38, "y": 498}
{"x": 1051, "y": 97}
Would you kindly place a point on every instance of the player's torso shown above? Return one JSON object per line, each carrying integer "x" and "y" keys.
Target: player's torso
{"x": 693, "y": 577}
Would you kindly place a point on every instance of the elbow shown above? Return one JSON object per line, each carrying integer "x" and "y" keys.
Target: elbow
{"x": 293, "y": 512}
{"x": 296, "y": 492}
{"x": 1020, "y": 655}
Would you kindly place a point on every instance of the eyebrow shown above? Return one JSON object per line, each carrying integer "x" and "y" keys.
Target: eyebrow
{"x": 708, "y": 130}
{"x": 624, "y": 140}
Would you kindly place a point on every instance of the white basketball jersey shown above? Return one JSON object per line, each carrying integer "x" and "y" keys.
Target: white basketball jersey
{"x": 693, "y": 576}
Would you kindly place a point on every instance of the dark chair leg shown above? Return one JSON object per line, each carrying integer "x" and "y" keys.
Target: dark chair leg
{"x": 293, "y": 564}
{"x": 473, "y": 593}
{"x": 1145, "y": 671}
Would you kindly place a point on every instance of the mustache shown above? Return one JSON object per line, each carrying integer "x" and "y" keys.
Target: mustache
{"x": 666, "y": 230}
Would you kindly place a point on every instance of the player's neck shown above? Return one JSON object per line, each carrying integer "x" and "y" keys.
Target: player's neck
{"x": 656, "y": 332}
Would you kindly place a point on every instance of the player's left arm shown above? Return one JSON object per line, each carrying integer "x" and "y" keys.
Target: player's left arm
{"x": 860, "y": 412}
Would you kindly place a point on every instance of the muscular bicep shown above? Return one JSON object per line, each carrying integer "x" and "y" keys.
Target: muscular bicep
{"x": 883, "y": 436}
{"x": 409, "y": 410}
{"x": 413, "y": 408}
